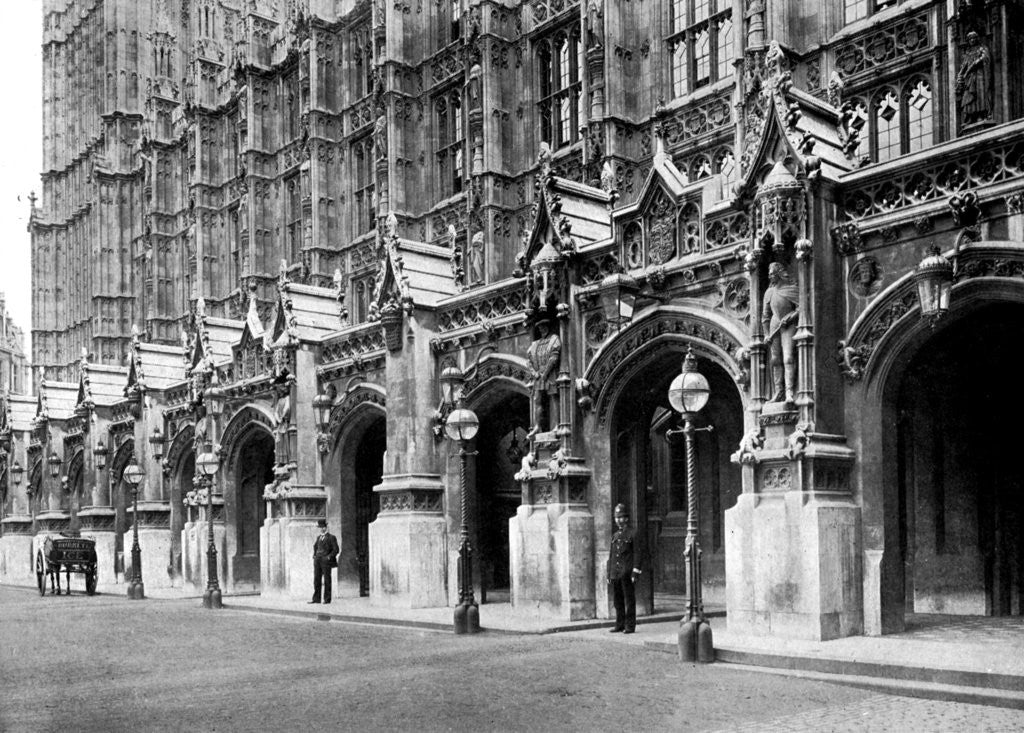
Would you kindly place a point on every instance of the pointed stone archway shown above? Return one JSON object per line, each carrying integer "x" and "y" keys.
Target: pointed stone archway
{"x": 180, "y": 469}
{"x": 247, "y": 467}
{"x": 939, "y": 411}
{"x": 633, "y": 464}
{"x": 355, "y": 466}
{"x": 497, "y": 392}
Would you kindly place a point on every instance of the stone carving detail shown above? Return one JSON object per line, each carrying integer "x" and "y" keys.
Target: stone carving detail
{"x": 777, "y": 479}
{"x": 885, "y": 44}
{"x": 846, "y": 238}
{"x": 852, "y": 360}
{"x": 495, "y": 367}
{"x": 661, "y": 234}
{"x": 696, "y": 121}
{"x": 974, "y": 82}
{"x": 1015, "y": 202}
{"x": 996, "y": 164}
{"x": 727, "y": 231}
{"x": 354, "y": 345}
{"x": 865, "y": 277}
{"x": 495, "y": 305}
{"x": 595, "y": 269}
{"x": 353, "y": 400}
{"x": 601, "y": 374}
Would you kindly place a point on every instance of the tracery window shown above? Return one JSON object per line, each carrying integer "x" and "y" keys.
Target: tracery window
{"x": 701, "y": 43}
{"x": 858, "y": 9}
{"x": 362, "y": 57}
{"x": 560, "y": 59}
{"x": 364, "y": 214}
{"x": 451, "y": 139}
{"x": 897, "y": 120}
{"x": 449, "y": 21}
{"x": 293, "y": 219}
{"x": 725, "y": 166}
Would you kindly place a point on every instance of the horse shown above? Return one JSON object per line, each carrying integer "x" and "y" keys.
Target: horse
{"x": 54, "y": 560}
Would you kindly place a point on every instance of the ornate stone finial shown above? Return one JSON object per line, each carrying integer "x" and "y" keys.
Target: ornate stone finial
{"x": 282, "y": 273}
{"x": 338, "y": 280}
{"x": 200, "y": 308}
{"x": 391, "y": 225}
{"x": 455, "y": 257}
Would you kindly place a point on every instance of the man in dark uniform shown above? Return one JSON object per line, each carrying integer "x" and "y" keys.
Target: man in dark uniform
{"x": 325, "y": 559}
{"x": 623, "y": 570}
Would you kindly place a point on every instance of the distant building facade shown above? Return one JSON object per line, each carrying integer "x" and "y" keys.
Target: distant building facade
{"x": 15, "y": 373}
{"x": 324, "y": 207}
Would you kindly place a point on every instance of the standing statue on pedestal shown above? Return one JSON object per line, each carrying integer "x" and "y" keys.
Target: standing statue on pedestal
{"x": 778, "y": 318}
{"x": 544, "y": 355}
{"x": 973, "y": 82}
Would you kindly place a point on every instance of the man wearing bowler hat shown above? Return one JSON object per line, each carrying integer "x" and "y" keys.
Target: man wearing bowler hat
{"x": 325, "y": 559}
{"x": 624, "y": 561}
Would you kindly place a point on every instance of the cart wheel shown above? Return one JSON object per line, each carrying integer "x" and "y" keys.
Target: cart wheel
{"x": 90, "y": 582}
{"x": 41, "y": 573}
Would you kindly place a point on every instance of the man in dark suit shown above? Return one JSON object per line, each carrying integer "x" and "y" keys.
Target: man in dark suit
{"x": 623, "y": 570}
{"x": 325, "y": 559}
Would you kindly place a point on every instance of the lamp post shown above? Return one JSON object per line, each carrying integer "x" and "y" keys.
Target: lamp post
{"x": 688, "y": 394}
{"x": 208, "y": 464}
{"x": 462, "y": 425}
{"x": 134, "y": 474}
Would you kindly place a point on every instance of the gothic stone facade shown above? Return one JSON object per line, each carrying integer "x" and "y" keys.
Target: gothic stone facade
{"x": 324, "y": 206}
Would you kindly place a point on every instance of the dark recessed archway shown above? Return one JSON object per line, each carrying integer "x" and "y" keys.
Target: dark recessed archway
{"x": 958, "y": 480}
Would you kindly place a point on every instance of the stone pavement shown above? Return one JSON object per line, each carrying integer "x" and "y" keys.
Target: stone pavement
{"x": 970, "y": 659}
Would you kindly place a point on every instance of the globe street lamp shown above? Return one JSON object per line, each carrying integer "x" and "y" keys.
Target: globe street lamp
{"x": 462, "y": 425}
{"x": 134, "y": 474}
{"x": 208, "y": 463}
{"x": 688, "y": 394}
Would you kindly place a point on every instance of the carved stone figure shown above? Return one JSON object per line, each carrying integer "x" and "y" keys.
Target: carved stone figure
{"x": 595, "y": 25}
{"x": 476, "y": 259}
{"x": 974, "y": 82}
{"x": 380, "y": 137}
{"x": 778, "y": 317}
{"x": 544, "y": 355}
{"x": 755, "y": 24}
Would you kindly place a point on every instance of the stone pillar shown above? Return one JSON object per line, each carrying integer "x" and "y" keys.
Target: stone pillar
{"x": 16, "y": 566}
{"x": 286, "y": 541}
{"x": 793, "y": 548}
{"x": 96, "y": 521}
{"x": 804, "y": 338}
{"x": 752, "y": 264}
{"x": 408, "y": 538}
{"x": 551, "y": 542}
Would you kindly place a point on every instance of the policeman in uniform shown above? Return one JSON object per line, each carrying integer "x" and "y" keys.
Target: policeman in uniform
{"x": 623, "y": 570}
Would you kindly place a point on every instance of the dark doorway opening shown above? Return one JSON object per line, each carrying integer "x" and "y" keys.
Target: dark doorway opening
{"x": 255, "y": 469}
{"x": 501, "y": 444}
{"x": 649, "y": 477}
{"x": 960, "y": 481}
{"x": 369, "y": 467}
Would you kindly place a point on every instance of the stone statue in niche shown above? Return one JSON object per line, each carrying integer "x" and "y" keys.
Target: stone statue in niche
{"x": 595, "y": 25}
{"x": 755, "y": 24}
{"x": 778, "y": 318}
{"x": 476, "y": 259}
{"x": 283, "y": 411}
{"x": 544, "y": 355}
{"x": 380, "y": 137}
{"x": 974, "y": 82}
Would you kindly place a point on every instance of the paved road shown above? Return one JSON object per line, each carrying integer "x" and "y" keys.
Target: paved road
{"x": 108, "y": 664}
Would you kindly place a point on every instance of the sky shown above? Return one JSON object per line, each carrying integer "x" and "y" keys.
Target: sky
{"x": 21, "y": 152}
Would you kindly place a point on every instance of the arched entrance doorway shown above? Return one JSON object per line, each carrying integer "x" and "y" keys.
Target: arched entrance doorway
{"x": 500, "y": 444}
{"x": 958, "y": 477}
{"x": 182, "y": 462}
{"x": 121, "y": 499}
{"x": 359, "y": 457}
{"x": 254, "y": 469}
{"x": 649, "y": 474}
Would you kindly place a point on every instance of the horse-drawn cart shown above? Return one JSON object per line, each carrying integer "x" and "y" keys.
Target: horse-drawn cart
{"x": 72, "y": 554}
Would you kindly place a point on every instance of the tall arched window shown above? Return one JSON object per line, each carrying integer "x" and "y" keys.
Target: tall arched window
{"x": 450, "y": 142}
{"x": 702, "y": 43}
{"x": 887, "y": 124}
{"x": 558, "y": 62}
{"x": 919, "y": 114}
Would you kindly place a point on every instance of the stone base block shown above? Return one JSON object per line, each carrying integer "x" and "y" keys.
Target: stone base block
{"x": 17, "y": 566}
{"x": 793, "y": 566}
{"x": 105, "y": 554}
{"x": 552, "y": 557}
{"x": 286, "y": 557}
{"x": 407, "y": 560}
{"x": 194, "y": 544}
{"x": 156, "y": 555}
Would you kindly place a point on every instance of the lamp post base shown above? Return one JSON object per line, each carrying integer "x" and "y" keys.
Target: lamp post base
{"x": 211, "y": 598}
{"x": 695, "y": 641}
{"x": 467, "y": 618}
{"x": 136, "y": 590}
